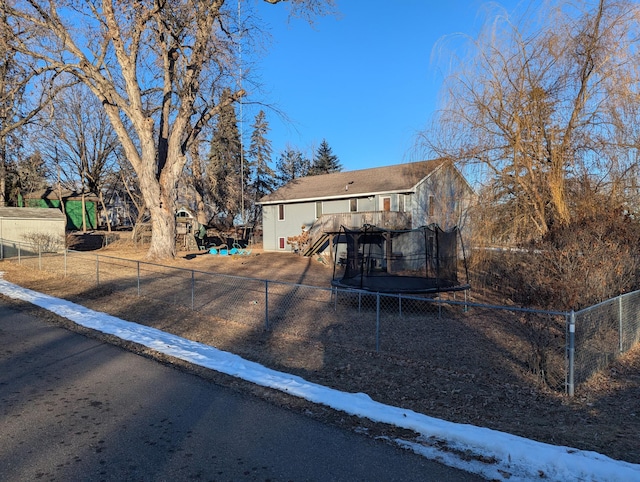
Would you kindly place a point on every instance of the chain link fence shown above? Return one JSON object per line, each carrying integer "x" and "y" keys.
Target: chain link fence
{"x": 562, "y": 349}
{"x": 603, "y": 332}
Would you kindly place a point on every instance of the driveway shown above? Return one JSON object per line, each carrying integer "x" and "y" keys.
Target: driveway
{"x": 74, "y": 408}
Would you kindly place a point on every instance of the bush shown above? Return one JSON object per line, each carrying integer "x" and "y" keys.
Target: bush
{"x": 45, "y": 242}
{"x": 578, "y": 265}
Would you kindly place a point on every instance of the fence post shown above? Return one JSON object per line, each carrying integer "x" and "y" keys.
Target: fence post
{"x": 138, "y": 276}
{"x": 97, "y": 270}
{"x": 572, "y": 351}
{"x": 377, "y": 322}
{"x": 19, "y": 253}
{"x": 266, "y": 305}
{"x": 65, "y": 261}
{"x": 620, "y": 323}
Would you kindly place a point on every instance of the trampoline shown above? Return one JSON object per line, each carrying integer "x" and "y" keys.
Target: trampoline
{"x": 421, "y": 260}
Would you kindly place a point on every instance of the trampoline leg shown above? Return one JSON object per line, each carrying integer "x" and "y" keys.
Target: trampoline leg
{"x": 377, "y": 322}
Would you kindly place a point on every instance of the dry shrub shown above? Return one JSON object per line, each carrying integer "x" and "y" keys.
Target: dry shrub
{"x": 44, "y": 242}
{"x": 545, "y": 336}
{"x": 588, "y": 261}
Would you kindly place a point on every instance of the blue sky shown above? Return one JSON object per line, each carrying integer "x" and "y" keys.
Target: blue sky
{"x": 364, "y": 80}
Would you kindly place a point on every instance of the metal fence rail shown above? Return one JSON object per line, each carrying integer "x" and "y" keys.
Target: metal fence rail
{"x": 564, "y": 349}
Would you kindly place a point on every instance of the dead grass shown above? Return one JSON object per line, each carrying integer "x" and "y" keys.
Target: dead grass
{"x": 470, "y": 369}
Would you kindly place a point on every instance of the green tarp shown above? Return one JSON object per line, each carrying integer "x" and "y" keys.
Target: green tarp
{"x": 73, "y": 210}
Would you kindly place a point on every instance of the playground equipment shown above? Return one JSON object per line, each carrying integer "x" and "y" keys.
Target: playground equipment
{"x": 422, "y": 260}
{"x": 223, "y": 250}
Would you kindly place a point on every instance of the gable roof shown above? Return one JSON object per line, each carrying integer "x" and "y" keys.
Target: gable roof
{"x": 363, "y": 182}
{"x": 32, "y": 213}
{"x": 53, "y": 194}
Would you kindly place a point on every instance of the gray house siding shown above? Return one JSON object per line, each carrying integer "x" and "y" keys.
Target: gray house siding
{"x": 441, "y": 198}
{"x": 366, "y": 204}
{"x": 269, "y": 218}
{"x": 335, "y": 206}
{"x": 275, "y": 229}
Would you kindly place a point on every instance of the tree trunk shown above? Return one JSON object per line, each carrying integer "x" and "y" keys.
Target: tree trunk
{"x": 104, "y": 208}
{"x": 163, "y": 234}
{"x": 3, "y": 172}
{"x": 84, "y": 213}
{"x": 196, "y": 169}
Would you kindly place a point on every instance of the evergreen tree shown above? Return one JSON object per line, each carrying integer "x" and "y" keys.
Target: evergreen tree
{"x": 291, "y": 165}
{"x": 264, "y": 177}
{"x": 324, "y": 161}
{"x": 226, "y": 174}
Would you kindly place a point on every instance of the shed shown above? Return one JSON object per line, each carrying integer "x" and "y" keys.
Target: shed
{"x": 73, "y": 202}
{"x": 32, "y": 229}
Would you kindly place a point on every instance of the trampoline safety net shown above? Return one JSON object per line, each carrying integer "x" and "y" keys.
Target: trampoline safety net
{"x": 396, "y": 261}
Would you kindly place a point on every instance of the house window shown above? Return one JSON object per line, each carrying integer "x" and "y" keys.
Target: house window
{"x": 432, "y": 207}
{"x": 318, "y": 209}
{"x": 280, "y": 212}
{"x": 281, "y": 242}
{"x": 401, "y": 198}
{"x": 386, "y": 204}
{"x": 353, "y": 205}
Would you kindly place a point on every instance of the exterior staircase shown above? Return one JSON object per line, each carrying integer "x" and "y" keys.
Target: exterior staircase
{"x": 315, "y": 244}
{"x": 327, "y": 224}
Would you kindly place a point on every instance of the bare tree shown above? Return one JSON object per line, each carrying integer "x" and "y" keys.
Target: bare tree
{"x": 25, "y": 88}
{"x": 30, "y": 175}
{"x": 546, "y": 108}
{"x": 79, "y": 142}
{"x": 151, "y": 65}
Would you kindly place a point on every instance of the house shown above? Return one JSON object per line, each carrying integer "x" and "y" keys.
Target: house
{"x": 402, "y": 196}
{"x": 73, "y": 206}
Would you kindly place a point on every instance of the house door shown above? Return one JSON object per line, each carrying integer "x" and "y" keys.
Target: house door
{"x": 386, "y": 204}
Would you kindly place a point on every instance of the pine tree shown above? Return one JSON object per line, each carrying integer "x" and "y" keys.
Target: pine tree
{"x": 324, "y": 161}
{"x": 264, "y": 177}
{"x": 291, "y": 165}
{"x": 225, "y": 171}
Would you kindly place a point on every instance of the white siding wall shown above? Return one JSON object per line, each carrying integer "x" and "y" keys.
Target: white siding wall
{"x": 24, "y": 229}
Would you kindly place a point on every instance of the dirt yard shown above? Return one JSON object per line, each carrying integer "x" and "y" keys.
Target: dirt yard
{"x": 461, "y": 382}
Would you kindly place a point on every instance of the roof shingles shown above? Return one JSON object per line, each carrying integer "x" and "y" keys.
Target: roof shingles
{"x": 399, "y": 177}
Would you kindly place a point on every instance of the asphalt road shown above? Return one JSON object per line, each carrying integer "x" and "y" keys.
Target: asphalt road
{"x": 75, "y": 408}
